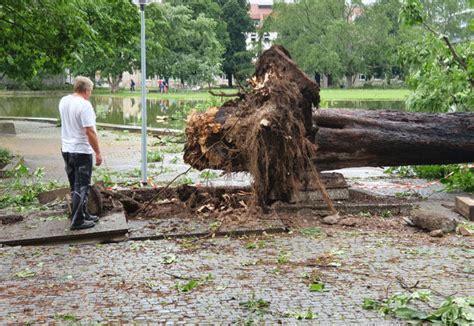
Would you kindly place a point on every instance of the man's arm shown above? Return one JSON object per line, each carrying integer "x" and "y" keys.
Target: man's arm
{"x": 94, "y": 142}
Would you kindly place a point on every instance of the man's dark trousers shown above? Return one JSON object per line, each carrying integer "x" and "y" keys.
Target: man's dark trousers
{"x": 79, "y": 171}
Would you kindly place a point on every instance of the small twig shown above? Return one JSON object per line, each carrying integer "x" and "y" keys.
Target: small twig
{"x": 177, "y": 276}
{"x": 404, "y": 286}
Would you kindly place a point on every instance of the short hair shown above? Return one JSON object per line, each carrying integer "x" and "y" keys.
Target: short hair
{"x": 82, "y": 84}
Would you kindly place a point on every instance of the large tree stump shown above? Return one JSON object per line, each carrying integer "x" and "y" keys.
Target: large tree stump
{"x": 278, "y": 134}
{"x": 265, "y": 132}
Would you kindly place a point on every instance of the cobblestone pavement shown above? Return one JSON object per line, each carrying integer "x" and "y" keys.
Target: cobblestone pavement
{"x": 135, "y": 282}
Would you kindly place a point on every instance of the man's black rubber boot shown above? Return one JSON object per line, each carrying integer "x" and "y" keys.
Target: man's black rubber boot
{"x": 92, "y": 218}
{"x": 84, "y": 225}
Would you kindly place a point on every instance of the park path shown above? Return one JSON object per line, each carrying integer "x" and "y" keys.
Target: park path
{"x": 40, "y": 145}
{"x": 139, "y": 282}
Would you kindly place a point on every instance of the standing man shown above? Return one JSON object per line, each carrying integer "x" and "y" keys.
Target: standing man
{"x": 78, "y": 141}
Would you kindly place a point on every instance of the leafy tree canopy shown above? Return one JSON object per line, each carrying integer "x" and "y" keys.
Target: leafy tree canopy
{"x": 339, "y": 38}
{"x": 38, "y": 36}
{"x": 183, "y": 45}
{"x": 237, "y": 59}
{"x": 112, "y": 47}
{"x": 441, "y": 70}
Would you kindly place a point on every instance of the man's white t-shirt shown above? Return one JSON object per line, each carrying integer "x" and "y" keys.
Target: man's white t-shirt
{"x": 76, "y": 114}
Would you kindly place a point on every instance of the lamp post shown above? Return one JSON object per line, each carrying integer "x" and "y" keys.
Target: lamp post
{"x": 142, "y": 4}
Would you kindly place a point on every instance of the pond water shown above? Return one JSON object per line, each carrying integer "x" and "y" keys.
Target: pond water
{"x": 126, "y": 111}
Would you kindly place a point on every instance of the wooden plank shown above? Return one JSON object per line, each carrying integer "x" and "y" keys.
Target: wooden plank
{"x": 35, "y": 231}
{"x": 465, "y": 207}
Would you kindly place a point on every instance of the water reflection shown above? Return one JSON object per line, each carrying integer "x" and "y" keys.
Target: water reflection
{"x": 127, "y": 111}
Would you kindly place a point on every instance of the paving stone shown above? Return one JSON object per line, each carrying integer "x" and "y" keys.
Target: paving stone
{"x": 111, "y": 286}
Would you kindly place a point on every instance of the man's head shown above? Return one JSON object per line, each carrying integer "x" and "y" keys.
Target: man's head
{"x": 83, "y": 86}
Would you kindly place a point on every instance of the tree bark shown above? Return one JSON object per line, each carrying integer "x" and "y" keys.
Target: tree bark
{"x": 354, "y": 138}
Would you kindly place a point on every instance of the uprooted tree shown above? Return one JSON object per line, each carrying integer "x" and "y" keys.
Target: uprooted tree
{"x": 277, "y": 133}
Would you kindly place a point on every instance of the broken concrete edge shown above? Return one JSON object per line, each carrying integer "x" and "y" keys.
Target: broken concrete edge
{"x": 65, "y": 238}
{"x": 7, "y": 169}
{"x": 49, "y": 196}
{"x": 32, "y": 119}
{"x": 349, "y": 208}
{"x": 108, "y": 126}
{"x": 272, "y": 230}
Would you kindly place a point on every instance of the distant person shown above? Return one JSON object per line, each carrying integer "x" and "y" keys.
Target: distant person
{"x": 161, "y": 85}
{"x": 165, "y": 87}
{"x": 132, "y": 85}
{"x": 79, "y": 141}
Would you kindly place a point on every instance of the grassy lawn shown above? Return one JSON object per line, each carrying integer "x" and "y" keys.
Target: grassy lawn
{"x": 171, "y": 95}
{"x": 326, "y": 94}
{"x": 364, "y": 94}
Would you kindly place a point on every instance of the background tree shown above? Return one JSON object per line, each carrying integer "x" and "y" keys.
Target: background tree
{"x": 237, "y": 59}
{"x": 184, "y": 45}
{"x": 38, "y": 36}
{"x": 113, "y": 47}
{"x": 339, "y": 38}
{"x": 441, "y": 71}
{"x": 383, "y": 36}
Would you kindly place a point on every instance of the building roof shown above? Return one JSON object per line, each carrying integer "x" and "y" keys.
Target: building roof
{"x": 259, "y": 11}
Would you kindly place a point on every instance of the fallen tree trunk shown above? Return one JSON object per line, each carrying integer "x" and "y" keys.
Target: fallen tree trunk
{"x": 277, "y": 133}
{"x": 352, "y": 138}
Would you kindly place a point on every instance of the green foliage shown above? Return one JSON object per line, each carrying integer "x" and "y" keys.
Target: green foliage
{"x": 23, "y": 189}
{"x": 66, "y": 317}
{"x": 182, "y": 43}
{"x": 441, "y": 72}
{"x": 453, "y": 176}
{"x": 323, "y": 37}
{"x": 386, "y": 213}
{"x": 283, "y": 257}
{"x": 193, "y": 283}
{"x": 5, "y": 156}
{"x": 25, "y": 274}
{"x": 316, "y": 287}
{"x": 236, "y": 58}
{"x": 255, "y": 305}
{"x": 258, "y": 244}
{"x": 39, "y": 36}
{"x": 184, "y": 180}
{"x": 453, "y": 311}
{"x": 113, "y": 46}
{"x": 301, "y": 315}
{"x": 154, "y": 156}
{"x": 208, "y": 175}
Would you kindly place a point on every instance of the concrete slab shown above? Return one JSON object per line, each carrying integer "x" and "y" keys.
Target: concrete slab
{"x": 465, "y": 207}
{"x": 178, "y": 228}
{"x": 35, "y": 230}
{"x": 7, "y": 128}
